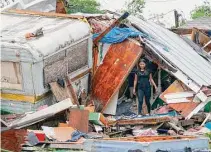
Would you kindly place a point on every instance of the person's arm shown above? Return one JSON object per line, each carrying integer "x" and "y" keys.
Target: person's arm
{"x": 135, "y": 84}
{"x": 153, "y": 82}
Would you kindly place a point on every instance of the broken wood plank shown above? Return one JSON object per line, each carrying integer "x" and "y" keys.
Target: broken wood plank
{"x": 47, "y": 14}
{"x": 79, "y": 119}
{"x": 117, "y": 63}
{"x": 184, "y": 108}
{"x": 41, "y": 115}
{"x": 205, "y": 120}
{"x": 144, "y": 121}
{"x": 72, "y": 92}
{"x": 59, "y": 92}
{"x": 80, "y": 75}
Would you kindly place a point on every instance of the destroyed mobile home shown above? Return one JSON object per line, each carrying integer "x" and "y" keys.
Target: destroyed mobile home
{"x": 65, "y": 85}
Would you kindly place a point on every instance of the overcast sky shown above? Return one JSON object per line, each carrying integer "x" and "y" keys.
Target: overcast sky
{"x": 157, "y": 7}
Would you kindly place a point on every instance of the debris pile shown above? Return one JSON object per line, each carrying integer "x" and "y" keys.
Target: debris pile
{"x": 93, "y": 106}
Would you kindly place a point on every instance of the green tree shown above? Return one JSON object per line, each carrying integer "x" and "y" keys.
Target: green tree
{"x": 135, "y": 7}
{"x": 201, "y": 11}
{"x": 83, "y": 6}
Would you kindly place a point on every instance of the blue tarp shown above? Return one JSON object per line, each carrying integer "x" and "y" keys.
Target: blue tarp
{"x": 208, "y": 125}
{"x": 117, "y": 35}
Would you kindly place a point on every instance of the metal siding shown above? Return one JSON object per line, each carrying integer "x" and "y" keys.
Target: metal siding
{"x": 125, "y": 146}
{"x": 38, "y": 80}
{"x": 58, "y": 33}
{"x": 20, "y": 107}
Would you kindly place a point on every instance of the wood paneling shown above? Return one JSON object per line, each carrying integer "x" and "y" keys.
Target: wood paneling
{"x": 79, "y": 119}
{"x": 116, "y": 65}
{"x": 183, "y": 108}
{"x": 11, "y": 75}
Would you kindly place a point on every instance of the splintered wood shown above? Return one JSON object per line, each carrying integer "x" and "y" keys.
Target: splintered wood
{"x": 63, "y": 93}
{"x": 118, "y": 62}
{"x": 79, "y": 119}
{"x": 145, "y": 121}
{"x": 59, "y": 92}
{"x": 183, "y": 108}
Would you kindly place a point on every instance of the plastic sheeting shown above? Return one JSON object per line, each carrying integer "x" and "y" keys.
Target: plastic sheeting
{"x": 34, "y": 5}
{"x": 117, "y": 35}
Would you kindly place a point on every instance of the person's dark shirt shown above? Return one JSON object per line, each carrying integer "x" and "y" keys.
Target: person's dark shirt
{"x": 143, "y": 79}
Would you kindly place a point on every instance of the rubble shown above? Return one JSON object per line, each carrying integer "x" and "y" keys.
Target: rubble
{"x": 92, "y": 108}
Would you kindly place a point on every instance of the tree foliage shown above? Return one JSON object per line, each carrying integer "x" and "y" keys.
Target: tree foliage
{"x": 201, "y": 11}
{"x": 135, "y": 7}
{"x": 83, "y": 6}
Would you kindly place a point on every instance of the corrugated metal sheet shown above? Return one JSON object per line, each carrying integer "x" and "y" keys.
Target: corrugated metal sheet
{"x": 59, "y": 33}
{"x": 176, "y": 51}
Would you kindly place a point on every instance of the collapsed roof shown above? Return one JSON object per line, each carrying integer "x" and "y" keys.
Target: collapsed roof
{"x": 177, "y": 57}
{"x": 181, "y": 59}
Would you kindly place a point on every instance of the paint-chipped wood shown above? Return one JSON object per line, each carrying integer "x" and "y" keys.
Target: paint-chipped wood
{"x": 110, "y": 75}
{"x": 13, "y": 139}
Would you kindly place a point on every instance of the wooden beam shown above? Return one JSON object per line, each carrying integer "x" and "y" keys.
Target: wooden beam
{"x": 47, "y": 14}
{"x": 71, "y": 90}
{"x": 97, "y": 39}
{"x": 81, "y": 75}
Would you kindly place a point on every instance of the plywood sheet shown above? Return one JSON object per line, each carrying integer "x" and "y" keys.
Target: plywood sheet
{"x": 11, "y": 75}
{"x": 63, "y": 133}
{"x": 79, "y": 119}
{"x": 114, "y": 69}
{"x": 183, "y": 108}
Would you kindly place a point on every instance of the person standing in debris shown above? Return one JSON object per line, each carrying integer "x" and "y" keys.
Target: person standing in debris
{"x": 142, "y": 81}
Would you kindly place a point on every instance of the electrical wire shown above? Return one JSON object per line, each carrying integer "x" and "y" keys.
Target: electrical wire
{"x": 162, "y": 14}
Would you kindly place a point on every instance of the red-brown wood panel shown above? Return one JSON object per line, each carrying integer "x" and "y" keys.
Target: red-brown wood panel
{"x": 116, "y": 65}
{"x": 13, "y": 139}
{"x": 79, "y": 119}
{"x": 183, "y": 108}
